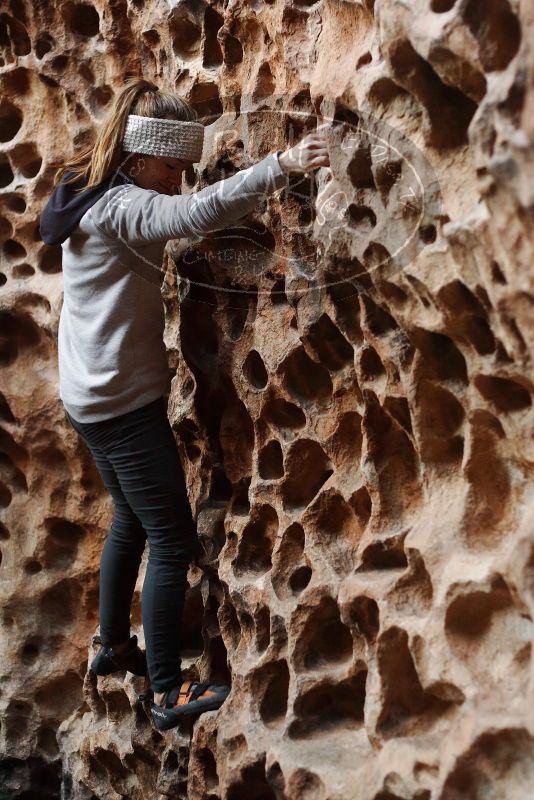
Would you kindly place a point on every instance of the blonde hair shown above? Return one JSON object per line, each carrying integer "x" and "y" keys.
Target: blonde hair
{"x": 103, "y": 157}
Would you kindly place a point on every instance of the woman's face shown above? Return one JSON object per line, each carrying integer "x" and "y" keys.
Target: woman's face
{"x": 162, "y": 174}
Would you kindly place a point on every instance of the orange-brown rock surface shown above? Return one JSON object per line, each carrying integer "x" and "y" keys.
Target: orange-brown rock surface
{"x": 352, "y": 404}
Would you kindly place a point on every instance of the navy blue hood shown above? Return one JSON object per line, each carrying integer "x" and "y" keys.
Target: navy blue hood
{"x": 64, "y": 208}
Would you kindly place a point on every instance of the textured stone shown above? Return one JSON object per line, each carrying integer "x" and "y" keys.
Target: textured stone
{"x": 354, "y": 417}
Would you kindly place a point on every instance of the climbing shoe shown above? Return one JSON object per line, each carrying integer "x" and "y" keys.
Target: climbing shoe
{"x": 188, "y": 697}
{"x": 108, "y": 661}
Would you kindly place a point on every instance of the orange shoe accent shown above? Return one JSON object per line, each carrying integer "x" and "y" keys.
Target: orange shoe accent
{"x": 184, "y": 694}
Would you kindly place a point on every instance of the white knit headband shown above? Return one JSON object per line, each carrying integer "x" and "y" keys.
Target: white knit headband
{"x": 163, "y": 137}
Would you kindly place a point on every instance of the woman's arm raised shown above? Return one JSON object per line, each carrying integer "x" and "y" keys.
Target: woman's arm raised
{"x": 139, "y": 215}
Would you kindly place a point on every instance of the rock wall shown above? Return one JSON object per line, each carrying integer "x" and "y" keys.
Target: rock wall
{"x": 352, "y": 402}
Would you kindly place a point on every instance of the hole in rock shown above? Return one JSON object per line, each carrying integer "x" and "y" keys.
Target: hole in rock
{"x": 207, "y": 763}
{"x": 497, "y": 31}
{"x": 364, "y": 615}
{"x": 325, "y": 640}
{"x": 344, "y": 114}
{"x": 60, "y": 547}
{"x": 336, "y": 529}
{"x": 16, "y": 719}
{"x": 346, "y": 442}
{"x": 220, "y": 487}
{"x": 306, "y": 381}
{"x": 360, "y": 169}
{"x": 384, "y": 91}
{"x": 470, "y": 615}
{"x": 6, "y": 228}
{"x": 60, "y": 695}
{"x": 413, "y": 591}
{"x": 505, "y": 394}
{"x": 427, "y": 233}
{"x": 384, "y": 555}
{"x": 440, "y": 6}
{"x": 241, "y": 502}
{"x": 44, "y": 44}
{"x": 488, "y": 474}
{"x": 379, "y": 321}
{"x": 15, "y": 202}
{"x": 31, "y": 649}
{"x": 360, "y": 502}
{"x": 263, "y": 628}
{"x": 407, "y": 709}
{"x": 32, "y": 566}
{"x": 360, "y": 218}
{"x": 26, "y": 158}
{"x": 5, "y": 496}
{"x": 253, "y": 784}
{"x": 497, "y": 273}
{"x": 328, "y": 706}
{"x": 265, "y": 84}
{"x": 496, "y": 760}
{"x": 371, "y": 365}
{"x": 270, "y": 684}
{"x": 59, "y": 605}
{"x": 386, "y": 175}
{"x": 400, "y": 410}
{"x": 275, "y": 778}
{"x": 256, "y": 543}
{"x": 82, "y": 19}
{"x": 468, "y": 316}
{"x": 47, "y": 742}
{"x": 285, "y": 416}
{"x": 233, "y": 51}
{"x": 10, "y": 120}
{"x": 449, "y": 110}
{"x": 13, "y": 250}
{"x": 230, "y": 625}
{"x": 271, "y": 461}
{"x": 254, "y": 370}
{"x": 287, "y": 556}
{"x": 213, "y": 21}
{"x": 206, "y": 100}
{"x": 278, "y": 294}
{"x": 237, "y": 311}
{"x": 306, "y": 785}
{"x": 117, "y": 703}
{"x": 13, "y": 34}
{"x": 331, "y": 347}
{"x": 347, "y": 307}
{"x": 188, "y": 433}
{"x": 439, "y": 422}
{"x": 308, "y": 468}
{"x": 107, "y": 764}
{"x": 441, "y": 357}
{"x": 375, "y": 255}
{"x": 99, "y": 99}
{"x": 363, "y": 60}
{"x": 300, "y": 578}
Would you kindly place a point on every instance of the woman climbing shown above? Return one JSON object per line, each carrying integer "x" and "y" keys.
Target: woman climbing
{"x": 112, "y": 209}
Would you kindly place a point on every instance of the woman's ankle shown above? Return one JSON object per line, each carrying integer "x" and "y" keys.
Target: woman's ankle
{"x": 121, "y": 647}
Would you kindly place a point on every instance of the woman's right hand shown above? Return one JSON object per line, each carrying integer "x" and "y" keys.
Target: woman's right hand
{"x": 308, "y": 154}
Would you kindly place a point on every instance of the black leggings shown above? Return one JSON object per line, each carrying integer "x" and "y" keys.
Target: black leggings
{"x": 138, "y": 461}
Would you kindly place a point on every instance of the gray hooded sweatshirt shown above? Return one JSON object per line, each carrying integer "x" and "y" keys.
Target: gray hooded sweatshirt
{"x": 111, "y": 351}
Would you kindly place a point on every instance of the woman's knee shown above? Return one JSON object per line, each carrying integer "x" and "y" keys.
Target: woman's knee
{"x": 175, "y": 553}
{"x": 127, "y": 531}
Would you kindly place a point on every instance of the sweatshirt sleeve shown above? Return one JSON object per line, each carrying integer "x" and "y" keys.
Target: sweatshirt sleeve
{"x": 139, "y": 215}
